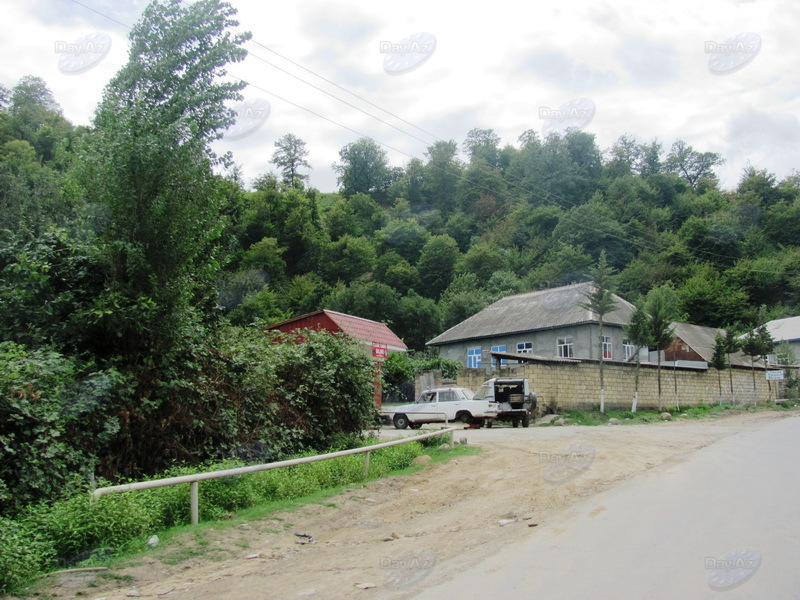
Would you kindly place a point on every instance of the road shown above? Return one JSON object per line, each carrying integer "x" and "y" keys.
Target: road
{"x": 633, "y": 511}
{"x": 725, "y": 523}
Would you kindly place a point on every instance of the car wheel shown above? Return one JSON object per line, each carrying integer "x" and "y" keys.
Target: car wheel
{"x": 515, "y": 422}
{"x": 489, "y": 424}
{"x": 526, "y": 420}
{"x": 415, "y": 425}
{"x": 465, "y": 418}
{"x": 400, "y": 421}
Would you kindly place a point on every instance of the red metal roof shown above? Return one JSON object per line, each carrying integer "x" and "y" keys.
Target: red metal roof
{"x": 356, "y": 327}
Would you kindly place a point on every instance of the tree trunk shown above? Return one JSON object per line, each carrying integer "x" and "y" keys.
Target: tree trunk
{"x": 636, "y": 384}
{"x": 602, "y": 380}
{"x": 660, "y": 404}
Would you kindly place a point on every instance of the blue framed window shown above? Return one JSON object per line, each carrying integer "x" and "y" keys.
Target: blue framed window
{"x": 474, "y": 358}
{"x": 503, "y": 361}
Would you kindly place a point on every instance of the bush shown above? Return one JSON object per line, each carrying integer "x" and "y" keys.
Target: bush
{"x": 24, "y": 554}
{"x": 78, "y": 525}
{"x": 79, "y": 528}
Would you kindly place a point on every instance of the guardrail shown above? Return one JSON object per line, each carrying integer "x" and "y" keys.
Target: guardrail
{"x": 196, "y": 478}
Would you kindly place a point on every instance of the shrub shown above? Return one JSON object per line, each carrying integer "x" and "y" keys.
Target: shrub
{"x": 24, "y": 553}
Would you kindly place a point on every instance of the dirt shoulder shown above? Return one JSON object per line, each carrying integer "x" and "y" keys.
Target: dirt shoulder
{"x": 393, "y": 537}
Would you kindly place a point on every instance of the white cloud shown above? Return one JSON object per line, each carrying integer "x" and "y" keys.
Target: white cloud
{"x": 643, "y": 65}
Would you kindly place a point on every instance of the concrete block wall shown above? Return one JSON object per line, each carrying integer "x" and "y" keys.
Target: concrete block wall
{"x": 577, "y": 386}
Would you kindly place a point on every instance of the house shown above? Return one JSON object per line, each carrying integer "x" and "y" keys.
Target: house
{"x": 694, "y": 346}
{"x": 547, "y": 324}
{"x": 376, "y": 338}
{"x": 785, "y": 330}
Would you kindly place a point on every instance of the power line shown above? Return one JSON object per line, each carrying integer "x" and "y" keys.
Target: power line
{"x": 529, "y": 189}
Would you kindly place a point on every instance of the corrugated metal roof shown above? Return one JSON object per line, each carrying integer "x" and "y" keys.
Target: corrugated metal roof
{"x": 785, "y": 330}
{"x": 356, "y": 327}
{"x": 366, "y": 330}
{"x": 543, "y": 309}
{"x": 701, "y": 339}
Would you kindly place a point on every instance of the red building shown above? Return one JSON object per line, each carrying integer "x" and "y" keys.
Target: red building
{"x": 377, "y": 339}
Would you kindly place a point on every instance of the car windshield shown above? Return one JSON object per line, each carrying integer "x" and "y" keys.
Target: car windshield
{"x": 484, "y": 392}
{"x": 425, "y": 397}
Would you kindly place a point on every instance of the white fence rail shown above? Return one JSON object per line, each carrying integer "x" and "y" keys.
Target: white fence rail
{"x": 195, "y": 478}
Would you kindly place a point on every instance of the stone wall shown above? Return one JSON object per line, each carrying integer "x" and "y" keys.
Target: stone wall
{"x": 577, "y": 386}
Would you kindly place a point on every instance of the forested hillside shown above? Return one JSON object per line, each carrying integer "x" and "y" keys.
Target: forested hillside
{"x": 132, "y": 273}
{"x": 424, "y": 245}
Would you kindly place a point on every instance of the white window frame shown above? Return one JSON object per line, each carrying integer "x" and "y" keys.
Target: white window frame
{"x": 524, "y": 347}
{"x": 565, "y": 347}
{"x": 608, "y": 350}
{"x": 628, "y": 349}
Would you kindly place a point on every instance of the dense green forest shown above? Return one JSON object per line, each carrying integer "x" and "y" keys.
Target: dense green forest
{"x": 135, "y": 270}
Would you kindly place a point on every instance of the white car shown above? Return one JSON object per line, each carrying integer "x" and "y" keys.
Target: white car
{"x": 443, "y": 405}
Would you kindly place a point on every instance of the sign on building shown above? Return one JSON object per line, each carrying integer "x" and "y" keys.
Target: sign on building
{"x": 777, "y": 375}
{"x": 380, "y": 351}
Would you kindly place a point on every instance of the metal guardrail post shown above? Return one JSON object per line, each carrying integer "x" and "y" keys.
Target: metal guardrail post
{"x": 194, "y": 502}
{"x": 366, "y": 465}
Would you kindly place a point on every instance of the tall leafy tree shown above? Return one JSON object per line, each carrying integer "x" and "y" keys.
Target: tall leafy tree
{"x": 442, "y": 173}
{"x": 436, "y": 265}
{"x": 600, "y": 301}
{"x": 149, "y": 162}
{"x": 661, "y": 306}
{"x": 719, "y": 360}
{"x": 289, "y": 156}
{"x": 732, "y": 345}
{"x": 758, "y": 343}
{"x": 690, "y": 164}
{"x": 638, "y": 333}
{"x": 485, "y": 144}
{"x": 363, "y": 169}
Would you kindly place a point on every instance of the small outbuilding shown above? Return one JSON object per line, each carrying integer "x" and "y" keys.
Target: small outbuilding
{"x": 376, "y": 338}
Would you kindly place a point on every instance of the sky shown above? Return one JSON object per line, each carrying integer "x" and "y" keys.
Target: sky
{"x": 722, "y": 75}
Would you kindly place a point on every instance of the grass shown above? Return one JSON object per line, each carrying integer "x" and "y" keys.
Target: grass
{"x": 183, "y": 542}
{"x": 594, "y": 417}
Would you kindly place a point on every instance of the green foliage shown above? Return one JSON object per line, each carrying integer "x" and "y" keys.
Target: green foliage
{"x": 25, "y": 554}
{"x": 46, "y": 404}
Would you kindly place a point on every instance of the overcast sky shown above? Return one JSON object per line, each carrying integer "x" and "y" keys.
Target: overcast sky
{"x": 723, "y": 75}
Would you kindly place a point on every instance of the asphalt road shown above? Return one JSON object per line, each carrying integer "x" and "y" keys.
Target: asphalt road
{"x": 725, "y": 523}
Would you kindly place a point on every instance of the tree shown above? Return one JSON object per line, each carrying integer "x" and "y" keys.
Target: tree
{"x": 732, "y": 345}
{"x": 289, "y": 157}
{"x": 638, "y": 333}
{"x": 758, "y": 343}
{"x": 685, "y": 161}
{"x": 436, "y": 265}
{"x": 150, "y": 163}
{"x": 661, "y": 306}
{"x": 719, "y": 359}
{"x": 600, "y": 300}
{"x": 363, "y": 169}
{"x": 442, "y": 173}
{"x": 485, "y": 144}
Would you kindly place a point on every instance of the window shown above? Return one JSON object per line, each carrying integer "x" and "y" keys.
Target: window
{"x": 525, "y": 347}
{"x": 426, "y": 397}
{"x": 628, "y": 349}
{"x": 606, "y": 346}
{"x": 448, "y": 396}
{"x": 565, "y": 347}
{"x": 503, "y": 361}
{"x": 474, "y": 358}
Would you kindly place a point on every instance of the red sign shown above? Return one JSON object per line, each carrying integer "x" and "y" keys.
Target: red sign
{"x": 379, "y": 351}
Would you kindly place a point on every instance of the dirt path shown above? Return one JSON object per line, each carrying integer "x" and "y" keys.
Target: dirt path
{"x": 391, "y": 538}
